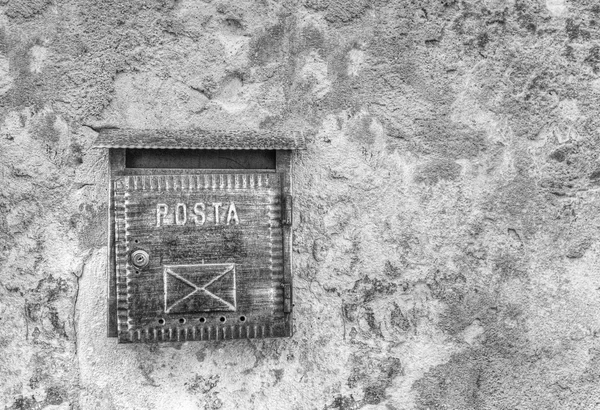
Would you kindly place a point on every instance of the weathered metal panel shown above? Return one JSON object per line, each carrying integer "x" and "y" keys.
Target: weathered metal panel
{"x": 214, "y": 266}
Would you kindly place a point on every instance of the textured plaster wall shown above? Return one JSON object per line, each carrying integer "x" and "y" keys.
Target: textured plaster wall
{"x": 446, "y": 249}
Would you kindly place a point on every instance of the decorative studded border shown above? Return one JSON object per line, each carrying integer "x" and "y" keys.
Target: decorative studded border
{"x": 121, "y": 261}
{"x": 183, "y": 334}
{"x": 170, "y": 183}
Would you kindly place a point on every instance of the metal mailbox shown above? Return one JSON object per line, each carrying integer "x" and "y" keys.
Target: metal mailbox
{"x": 199, "y": 234}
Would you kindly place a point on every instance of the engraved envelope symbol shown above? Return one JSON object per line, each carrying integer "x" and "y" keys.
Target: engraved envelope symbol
{"x": 199, "y": 288}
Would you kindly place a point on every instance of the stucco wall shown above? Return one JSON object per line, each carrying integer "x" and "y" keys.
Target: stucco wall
{"x": 446, "y": 238}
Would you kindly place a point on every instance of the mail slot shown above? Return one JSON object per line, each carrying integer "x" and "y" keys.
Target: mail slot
{"x": 199, "y": 234}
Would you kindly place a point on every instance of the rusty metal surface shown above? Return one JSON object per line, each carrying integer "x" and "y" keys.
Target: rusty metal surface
{"x": 215, "y": 267}
{"x": 199, "y": 139}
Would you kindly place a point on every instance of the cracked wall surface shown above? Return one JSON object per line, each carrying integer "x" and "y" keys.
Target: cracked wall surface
{"x": 446, "y": 249}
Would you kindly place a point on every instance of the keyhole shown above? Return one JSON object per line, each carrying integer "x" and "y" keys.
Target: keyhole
{"x": 140, "y": 258}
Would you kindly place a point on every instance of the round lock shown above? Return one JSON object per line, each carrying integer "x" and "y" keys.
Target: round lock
{"x": 140, "y": 258}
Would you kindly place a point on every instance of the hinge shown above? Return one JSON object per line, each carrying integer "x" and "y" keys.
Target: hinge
{"x": 287, "y": 210}
{"x": 287, "y": 297}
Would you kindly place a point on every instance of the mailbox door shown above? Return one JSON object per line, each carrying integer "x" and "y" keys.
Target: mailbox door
{"x": 199, "y": 256}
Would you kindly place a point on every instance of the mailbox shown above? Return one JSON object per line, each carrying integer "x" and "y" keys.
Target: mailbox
{"x": 199, "y": 234}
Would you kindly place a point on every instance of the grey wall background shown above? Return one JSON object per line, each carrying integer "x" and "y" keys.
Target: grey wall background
{"x": 446, "y": 239}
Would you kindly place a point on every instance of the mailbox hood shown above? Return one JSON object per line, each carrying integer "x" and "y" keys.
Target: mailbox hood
{"x": 200, "y": 139}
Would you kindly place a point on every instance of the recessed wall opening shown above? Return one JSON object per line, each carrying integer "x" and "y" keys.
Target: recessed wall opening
{"x": 200, "y": 159}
